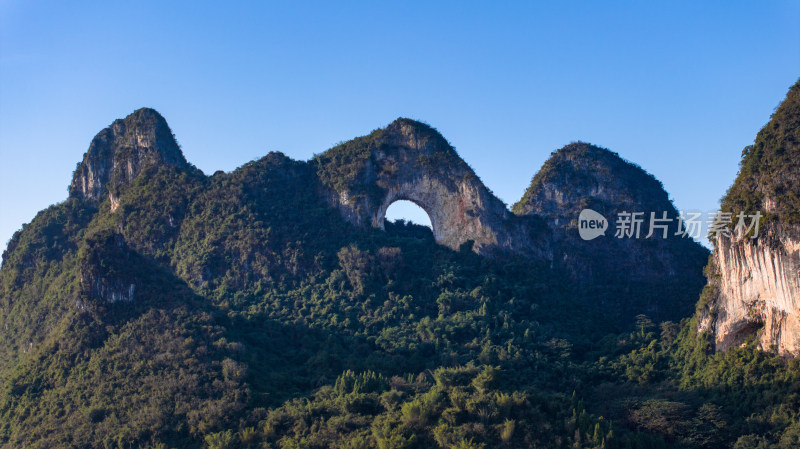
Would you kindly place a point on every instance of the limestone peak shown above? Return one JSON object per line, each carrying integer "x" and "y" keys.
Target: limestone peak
{"x": 414, "y": 134}
{"x": 583, "y": 175}
{"x": 124, "y": 149}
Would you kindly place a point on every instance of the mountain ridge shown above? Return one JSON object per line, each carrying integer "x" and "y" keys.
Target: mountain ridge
{"x": 250, "y": 308}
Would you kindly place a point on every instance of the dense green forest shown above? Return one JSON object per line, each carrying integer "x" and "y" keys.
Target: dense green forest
{"x": 261, "y": 325}
{"x": 240, "y": 311}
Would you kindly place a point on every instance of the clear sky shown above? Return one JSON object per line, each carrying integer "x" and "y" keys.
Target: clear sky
{"x": 677, "y": 87}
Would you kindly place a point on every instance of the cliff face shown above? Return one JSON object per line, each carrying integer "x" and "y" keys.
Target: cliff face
{"x": 755, "y": 282}
{"x": 120, "y": 152}
{"x": 758, "y": 294}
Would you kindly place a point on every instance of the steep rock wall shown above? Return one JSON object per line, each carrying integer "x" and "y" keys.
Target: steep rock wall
{"x": 757, "y": 294}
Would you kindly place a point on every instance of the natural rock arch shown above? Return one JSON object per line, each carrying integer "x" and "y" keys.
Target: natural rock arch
{"x": 446, "y": 211}
{"x": 411, "y": 161}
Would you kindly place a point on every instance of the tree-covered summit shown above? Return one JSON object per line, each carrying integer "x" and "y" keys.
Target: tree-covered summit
{"x": 769, "y": 173}
{"x": 581, "y": 174}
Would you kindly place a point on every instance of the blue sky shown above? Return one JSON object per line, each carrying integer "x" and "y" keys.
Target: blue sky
{"x": 677, "y": 87}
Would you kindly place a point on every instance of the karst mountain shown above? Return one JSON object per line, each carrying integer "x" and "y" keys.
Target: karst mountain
{"x": 274, "y": 306}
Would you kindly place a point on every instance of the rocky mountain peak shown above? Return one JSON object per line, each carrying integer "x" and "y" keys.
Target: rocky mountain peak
{"x": 405, "y": 132}
{"x": 582, "y": 175}
{"x": 121, "y": 151}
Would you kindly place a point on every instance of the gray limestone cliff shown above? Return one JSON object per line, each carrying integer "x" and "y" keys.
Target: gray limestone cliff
{"x": 119, "y": 153}
{"x": 753, "y": 290}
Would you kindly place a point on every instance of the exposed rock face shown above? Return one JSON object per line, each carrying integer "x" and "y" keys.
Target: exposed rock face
{"x": 120, "y": 152}
{"x": 98, "y": 288}
{"x": 757, "y": 294}
{"x": 107, "y": 270}
{"x": 754, "y": 283}
{"x": 411, "y": 161}
{"x": 581, "y": 176}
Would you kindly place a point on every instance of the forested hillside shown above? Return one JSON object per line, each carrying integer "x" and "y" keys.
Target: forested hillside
{"x": 240, "y": 310}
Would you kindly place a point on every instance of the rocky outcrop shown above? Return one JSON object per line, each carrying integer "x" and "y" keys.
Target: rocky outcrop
{"x": 754, "y": 279}
{"x": 111, "y": 292}
{"x": 757, "y": 294}
{"x": 119, "y": 153}
{"x": 411, "y": 161}
{"x": 107, "y": 270}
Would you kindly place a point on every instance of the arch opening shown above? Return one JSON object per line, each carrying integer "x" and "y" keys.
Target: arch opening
{"x": 408, "y": 218}
{"x": 408, "y": 211}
